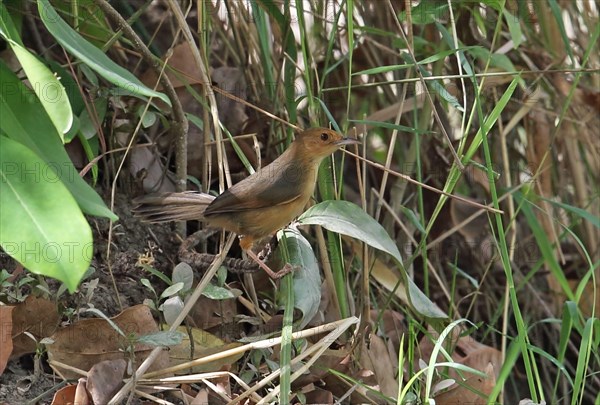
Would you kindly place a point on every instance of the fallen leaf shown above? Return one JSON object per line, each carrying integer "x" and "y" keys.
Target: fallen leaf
{"x": 6, "y": 347}
{"x": 90, "y": 341}
{"x": 37, "y": 316}
{"x": 65, "y": 395}
{"x": 104, "y": 379}
{"x": 375, "y": 357}
{"x": 205, "y": 344}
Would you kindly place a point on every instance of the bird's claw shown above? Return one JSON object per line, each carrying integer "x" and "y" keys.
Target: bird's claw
{"x": 288, "y": 268}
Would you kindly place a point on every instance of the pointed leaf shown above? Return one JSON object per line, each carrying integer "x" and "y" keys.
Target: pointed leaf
{"x": 349, "y": 219}
{"x": 41, "y": 225}
{"x": 92, "y": 56}
{"x": 18, "y": 105}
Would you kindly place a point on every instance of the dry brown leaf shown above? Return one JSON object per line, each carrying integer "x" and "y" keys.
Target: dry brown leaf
{"x": 207, "y": 313}
{"x": 145, "y": 166}
{"x": 81, "y": 394}
{"x": 393, "y": 325}
{"x": 318, "y": 396}
{"x": 91, "y": 341}
{"x": 37, "y": 316}
{"x": 375, "y": 357}
{"x": 201, "y": 398}
{"x": 463, "y": 393}
{"x": 6, "y": 345}
{"x": 65, "y": 395}
{"x": 104, "y": 379}
{"x": 477, "y": 356}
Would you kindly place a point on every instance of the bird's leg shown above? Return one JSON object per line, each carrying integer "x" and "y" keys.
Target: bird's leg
{"x": 288, "y": 268}
{"x": 246, "y": 245}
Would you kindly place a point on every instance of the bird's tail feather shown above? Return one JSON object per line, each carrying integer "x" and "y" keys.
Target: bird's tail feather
{"x": 166, "y": 207}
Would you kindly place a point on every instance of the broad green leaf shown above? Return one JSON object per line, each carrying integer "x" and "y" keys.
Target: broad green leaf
{"x": 45, "y": 84}
{"x": 307, "y": 277}
{"x": 92, "y": 56}
{"x": 18, "y": 105}
{"x": 48, "y": 88}
{"x": 41, "y": 225}
{"x": 349, "y": 219}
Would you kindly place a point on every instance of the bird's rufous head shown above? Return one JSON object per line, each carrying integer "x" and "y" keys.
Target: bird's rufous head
{"x": 321, "y": 142}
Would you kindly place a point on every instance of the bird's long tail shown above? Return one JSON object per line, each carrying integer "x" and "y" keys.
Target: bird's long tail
{"x": 166, "y": 207}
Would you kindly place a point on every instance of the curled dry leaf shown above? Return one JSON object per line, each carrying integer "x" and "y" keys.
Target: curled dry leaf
{"x": 72, "y": 394}
{"x": 65, "y": 395}
{"x": 90, "y": 341}
{"x": 81, "y": 394}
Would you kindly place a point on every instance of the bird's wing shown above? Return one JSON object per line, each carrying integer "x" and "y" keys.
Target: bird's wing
{"x": 265, "y": 188}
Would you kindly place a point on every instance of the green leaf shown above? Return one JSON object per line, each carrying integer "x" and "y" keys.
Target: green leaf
{"x": 586, "y": 215}
{"x": 162, "y": 338}
{"x": 89, "y": 125}
{"x": 217, "y": 293}
{"x": 426, "y": 12}
{"x": 92, "y": 56}
{"x": 171, "y": 308}
{"x": 514, "y": 27}
{"x": 388, "y": 125}
{"x": 18, "y": 105}
{"x": 157, "y": 273}
{"x": 7, "y": 26}
{"x": 307, "y": 278}
{"x": 41, "y": 225}
{"x": 546, "y": 248}
{"x": 183, "y": 273}
{"x": 47, "y": 87}
{"x": 496, "y": 59}
{"x": 349, "y": 219}
{"x": 107, "y": 319}
{"x": 172, "y": 290}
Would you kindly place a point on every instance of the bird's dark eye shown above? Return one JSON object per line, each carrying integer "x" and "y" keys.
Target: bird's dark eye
{"x": 324, "y": 136}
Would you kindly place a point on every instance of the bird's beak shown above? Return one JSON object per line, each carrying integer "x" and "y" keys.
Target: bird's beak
{"x": 347, "y": 141}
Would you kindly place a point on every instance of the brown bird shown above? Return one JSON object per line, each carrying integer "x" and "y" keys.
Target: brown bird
{"x": 259, "y": 205}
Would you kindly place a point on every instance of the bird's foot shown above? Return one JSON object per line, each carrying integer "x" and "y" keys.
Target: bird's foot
{"x": 287, "y": 269}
